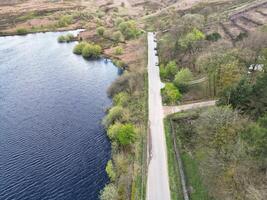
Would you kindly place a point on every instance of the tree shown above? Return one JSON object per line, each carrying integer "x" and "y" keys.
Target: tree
{"x": 168, "y": 72}
{"x": 255, "y": 136}
{"x": 186, "y": 42}
{"x": 126, "y": 135}
{"x": 100, "y": 31}
{"x": 109, "y": 192}
{"x": 110, "y": 171}
{"x": 223, "y": 70}
{"x": 182, "y": 78}
{"x": 171, "y": 94}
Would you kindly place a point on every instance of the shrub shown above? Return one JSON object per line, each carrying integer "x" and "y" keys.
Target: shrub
{"x": 61, "y": 39}
{"x": 113, "y": 130}
{"x": 110, "y": 171}
{"x": 213, "y": 37}
{"x": 22, "y": 31}
{"x": 109, "y": 192}
{"x": 118, "y": 21}
{"x": 65, "y": 20}
{"x": 100, "y": 31}
{"x": 68, "y": 38}
{"x": 119, "y": 63}
{"x": 117, "y": 36}
{"x": 121, "y": 99}
{"x": 126, "y": 135}
{"x": 78, "y": 49}
{"x": 129, "y": 29}
{"x": 118, "y": 50}
{"x": 91, "y": 51}
{"x": 171, "y": 94}
{"x": 113, "y": 115}
{"x": 182, "y": 78}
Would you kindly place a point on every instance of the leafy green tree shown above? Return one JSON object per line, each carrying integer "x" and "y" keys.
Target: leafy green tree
{"x": 182, "y": 78}
{"x": 223, "y": 70}
{"x": 100, "y": 31}
{"x": 256, "y": 138}
{"x": 109, "y": 192}
{"x": 186, "y": 42}
{"x": 247, "y": 97}
{"x": 171, "y": 94}
{"x": 126, "y": 134}
{"x": 168, "y": 72}
{"x": 110, "y": 171}
{"x": 78, "y": 49}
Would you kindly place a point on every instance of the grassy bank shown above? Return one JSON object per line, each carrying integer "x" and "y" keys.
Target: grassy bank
{"x": 129, "y": 93}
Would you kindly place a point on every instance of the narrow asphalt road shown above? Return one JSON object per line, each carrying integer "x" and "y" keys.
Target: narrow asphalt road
{"x": 158, "y": 180}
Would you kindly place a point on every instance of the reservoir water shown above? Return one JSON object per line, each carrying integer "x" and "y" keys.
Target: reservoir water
{"x": 52, "y": 143}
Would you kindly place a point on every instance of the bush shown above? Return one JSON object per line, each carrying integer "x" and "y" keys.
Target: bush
{"x": 91, "y": 51}
{"x": 68, "y": 38}
{"x": 113, "y": 130}
{"x": 121, "y": 99}
{"x": 110, "y": 171}
{"x": 114, "y": 114}
{"x": 129, "y": 29}
{"x": 117, "y": 36}
{"x": 100, "y": 31}
{"x": 78, "y": 49}
{"x": 182, "y": 78}
{"x": 109, "y": 192}
{"x": 118, "y": 51}
{"x": 119, "y": 63}
{"x": 118, "y": 21}
{"x": 126, "y": 135}
{"x": 213, "y": 37}
{"x": 61, "y": 39}
{"x": 171, "y": 94}
{"x": 22, "y": 31}
{"x": 65, "y": 20}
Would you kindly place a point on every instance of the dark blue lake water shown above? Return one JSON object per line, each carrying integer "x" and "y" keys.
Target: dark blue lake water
{"x": 52, "y": 143}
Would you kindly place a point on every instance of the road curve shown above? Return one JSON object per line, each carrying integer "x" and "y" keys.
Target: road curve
{"x": 158, "y": 180}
